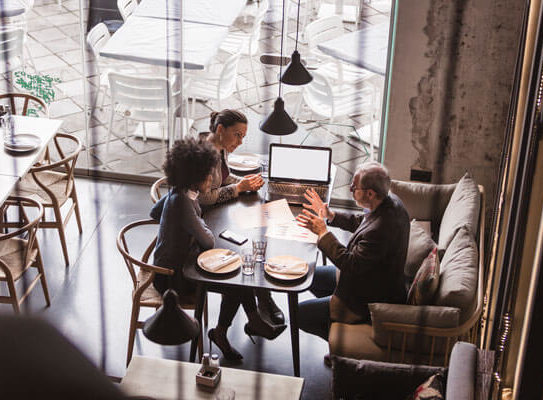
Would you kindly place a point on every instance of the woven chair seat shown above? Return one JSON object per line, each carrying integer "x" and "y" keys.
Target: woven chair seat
{"x": 55, "y": 181}
{"x": 152, "y": 298}
{"x": 12, "y": 253}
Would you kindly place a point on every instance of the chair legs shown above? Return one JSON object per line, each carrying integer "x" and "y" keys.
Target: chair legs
{"x": 61, "y": 233}
{"x": 41, "y": 271}
{"x": 132, "y": 332}
{"x": 13, "y": 295}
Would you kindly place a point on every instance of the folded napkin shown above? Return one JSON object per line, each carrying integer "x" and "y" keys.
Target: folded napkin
{"x": 287, "y": 269}
{"x": 243, "y": 162}
{"x": 218, "y": 261}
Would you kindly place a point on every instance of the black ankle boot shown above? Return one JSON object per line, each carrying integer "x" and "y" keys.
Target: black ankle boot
{"x": 268, "y": 309}
{"x": 259, "y": 327}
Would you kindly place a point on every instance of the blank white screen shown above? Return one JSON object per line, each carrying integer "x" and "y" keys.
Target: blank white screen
{"x": 296, "y": 163}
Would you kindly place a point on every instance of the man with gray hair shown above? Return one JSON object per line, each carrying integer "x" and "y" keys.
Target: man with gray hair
{"x": 371, "y": 264}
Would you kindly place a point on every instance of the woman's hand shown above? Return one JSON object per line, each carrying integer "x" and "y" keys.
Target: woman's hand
{"x": 250, "y": 183}
{"x": 315, "y": 224}
{"x": 317, "y": 205}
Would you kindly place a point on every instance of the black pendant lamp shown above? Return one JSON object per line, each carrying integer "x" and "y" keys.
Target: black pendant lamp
{"x": 296, "y": 73}
{"x": 279, "y": 122}
{"x": 170, "y": 325}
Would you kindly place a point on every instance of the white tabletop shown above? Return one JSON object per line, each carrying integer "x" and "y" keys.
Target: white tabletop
{"x": 156, "y": 41}
{"x": 11, "y": 8}
{"x": 169, "y": 380}
{"x": 366, "y": 48}
{"x": 17, "y": 165}
{"x": 213, "y": 12}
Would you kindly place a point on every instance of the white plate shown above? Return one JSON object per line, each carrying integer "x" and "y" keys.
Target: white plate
{"x": 218, "y": 252}
{"x": 285, "y": 260}
{"x": 22, "y": 142}
{"x": 243, "y": 161}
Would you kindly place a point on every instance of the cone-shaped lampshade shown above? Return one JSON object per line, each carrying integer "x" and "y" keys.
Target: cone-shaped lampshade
{"x": 278, "y": 122}
{"x": 296, "y": 74}
{"x": 170, "y": 324}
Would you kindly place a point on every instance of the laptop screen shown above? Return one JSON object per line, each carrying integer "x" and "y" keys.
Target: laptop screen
{"x": 300, "y": 163}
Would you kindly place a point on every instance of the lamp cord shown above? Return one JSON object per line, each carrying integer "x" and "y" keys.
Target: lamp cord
{"x": 298, "y": 25}
{"x": 282, "y": 36}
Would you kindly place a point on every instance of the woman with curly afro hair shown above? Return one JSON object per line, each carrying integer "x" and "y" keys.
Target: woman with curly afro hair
{"x": 183, "y": 235}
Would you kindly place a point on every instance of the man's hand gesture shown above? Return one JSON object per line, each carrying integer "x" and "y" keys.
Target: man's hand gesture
{"x": 317, "y": 206}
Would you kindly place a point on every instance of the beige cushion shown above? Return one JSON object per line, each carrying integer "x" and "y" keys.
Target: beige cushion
{"x": 459, "y": 274}
{"x": 462, "y": 210}
{"x": 424, "y": 201}
{"x": 426, "y": 281}
{"x": 356, "y": 341}
{"x": 420, "y": 245}
{"x": 429, "y": 316}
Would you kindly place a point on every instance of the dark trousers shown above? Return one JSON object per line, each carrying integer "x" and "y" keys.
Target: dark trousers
{"x": 232, "y": 297}
{"x": 314, "y": 314}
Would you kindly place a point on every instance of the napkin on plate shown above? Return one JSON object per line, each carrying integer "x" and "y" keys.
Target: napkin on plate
{"x": 218, "y": 261}
{"x": 287, "y": 269}
{"x": 242, "y": 162}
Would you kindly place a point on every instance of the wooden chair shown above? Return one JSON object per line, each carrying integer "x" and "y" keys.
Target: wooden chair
{"x": 52, "y": 183}
{"x": 15, "y": 100}
{"x": 143, "y": 274}
{"x": 155, "y": 189}
{"x": 19, "y": 249}
{"x": 155, "y": 197}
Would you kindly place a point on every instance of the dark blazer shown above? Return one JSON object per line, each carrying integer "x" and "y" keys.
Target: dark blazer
{"x": 372, "y": 263}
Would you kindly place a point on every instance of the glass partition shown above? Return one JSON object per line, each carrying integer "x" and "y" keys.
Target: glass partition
{"x": 112, "y": 70}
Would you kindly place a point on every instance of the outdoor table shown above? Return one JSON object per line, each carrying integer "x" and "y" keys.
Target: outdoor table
{"x": 210, "y": 12}
{"x": 156, "y": 41}
{"x": 366, "y": 48}
{"x": 221, "y": 217}
{"x": 11, "y": 8}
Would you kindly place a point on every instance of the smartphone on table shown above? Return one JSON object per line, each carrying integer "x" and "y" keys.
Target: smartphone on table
{"x": 232, "y": 237}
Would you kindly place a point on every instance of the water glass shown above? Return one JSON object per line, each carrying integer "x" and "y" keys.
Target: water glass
{"x": 259, "y": 250}
{"x": 247, "y": 263}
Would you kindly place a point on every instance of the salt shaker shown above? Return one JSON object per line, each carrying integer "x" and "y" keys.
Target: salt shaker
{"x": 214, "y": 361}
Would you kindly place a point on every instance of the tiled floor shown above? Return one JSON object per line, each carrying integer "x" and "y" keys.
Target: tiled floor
{"x": 54, "y": 41}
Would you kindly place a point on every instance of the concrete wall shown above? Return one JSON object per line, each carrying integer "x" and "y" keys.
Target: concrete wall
{"x": 451, "y": 82}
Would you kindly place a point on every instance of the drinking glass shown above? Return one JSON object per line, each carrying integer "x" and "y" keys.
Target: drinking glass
{"x": 259, "y": 250}
{"x": 247, "y": 263}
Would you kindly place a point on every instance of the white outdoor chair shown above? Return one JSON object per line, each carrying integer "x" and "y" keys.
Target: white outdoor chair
{"x": 144, "y": 100}
{"x": 20, "y": 22}
{"x": 11, "y": 50}
{"x": 335, "y": 100}
{"x": 320, "y": 31}
{"x": 126, "y": 7}
{"x": 217, "y": 83}
{"x": 247, "y": 43}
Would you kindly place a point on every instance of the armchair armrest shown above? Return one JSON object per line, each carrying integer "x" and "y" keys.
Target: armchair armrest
{"x": 377, "y": 380}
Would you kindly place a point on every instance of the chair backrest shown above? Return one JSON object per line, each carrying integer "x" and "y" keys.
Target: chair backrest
{"x": 229, "y": 75}
{"x": 134, "y": 264}
{"x": 149, "y": 94}
{"x": 319, "y": 96}
{"x": 26, "y": 225}
{"x": 11, "y": 43}
{"x": 155, "y": 189}
{"x": 68, "y": 148}
{"x": 323, "y": 29}
{"x": 257, "y": 24}
{"x": 14, "y": 100}
{"x": 126, "y": 7}
{"x": 97, "y": 38}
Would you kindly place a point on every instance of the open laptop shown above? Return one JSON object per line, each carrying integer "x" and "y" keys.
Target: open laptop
{"x": 293, "y": 169}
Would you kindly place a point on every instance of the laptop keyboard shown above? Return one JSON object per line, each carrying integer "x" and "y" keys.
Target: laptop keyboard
{"x": 295, "y": 190}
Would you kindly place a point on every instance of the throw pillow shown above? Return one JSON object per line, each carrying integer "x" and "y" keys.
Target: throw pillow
{"x": 459, "y": 274}
{"x": 426, "y": 282}
{"x": 420, "y": 244}
{"x": 432, "y": 389}
{"x": 462, "y": 210}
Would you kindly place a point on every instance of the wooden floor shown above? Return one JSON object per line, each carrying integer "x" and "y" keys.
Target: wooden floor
{"x": 91, "y": 298}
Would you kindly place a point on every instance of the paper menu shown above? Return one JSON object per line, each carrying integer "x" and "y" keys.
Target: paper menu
{"x": 291, "y": 231}
{"x": 269, "y": 214}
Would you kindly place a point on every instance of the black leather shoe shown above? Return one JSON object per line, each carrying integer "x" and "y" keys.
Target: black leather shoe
{"x": 269, "y": 310}
{"x": 262, "y": 328}
{"x": 228, "y": 351}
